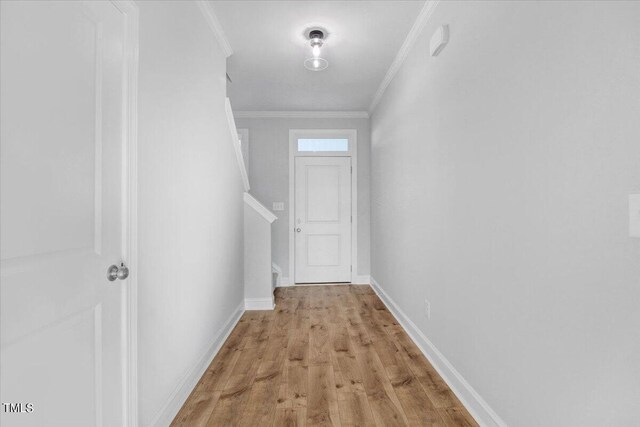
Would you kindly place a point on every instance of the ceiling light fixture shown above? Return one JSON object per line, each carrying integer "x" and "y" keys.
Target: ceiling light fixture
{"x": 316, "y": 63}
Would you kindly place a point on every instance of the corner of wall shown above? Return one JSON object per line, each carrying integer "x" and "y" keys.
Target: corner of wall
{"x": 190, "y": 380}
{"x": 473, "y": 402}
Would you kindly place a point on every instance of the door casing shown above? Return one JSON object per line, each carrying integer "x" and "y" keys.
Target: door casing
{"x": 130, "y": 10}
{"x": 352, "y": 135}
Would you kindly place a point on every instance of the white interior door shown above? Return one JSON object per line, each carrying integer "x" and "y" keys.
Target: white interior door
{"x": 62, "y": 211}
{"x": 322, "y": 219}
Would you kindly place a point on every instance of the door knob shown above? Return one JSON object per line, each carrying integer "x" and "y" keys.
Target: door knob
{"x": 123, "y": 271}
{"x": 114, "y": 272}
{"x": 298, "y": 230}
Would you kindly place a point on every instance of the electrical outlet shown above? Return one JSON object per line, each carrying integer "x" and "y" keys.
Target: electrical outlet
{"x": 427, "y": 308}
{"x": 278, "y": 206}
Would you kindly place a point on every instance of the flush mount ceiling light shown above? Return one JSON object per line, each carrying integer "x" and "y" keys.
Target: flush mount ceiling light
{"x": 316, "y": 40}
{"x": 315, "y": 64}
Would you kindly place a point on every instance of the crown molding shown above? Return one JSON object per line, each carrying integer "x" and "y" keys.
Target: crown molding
{"x": 212, "y": 20}
{"x": 421, "y": 20}
{"x": 302, "y": 114}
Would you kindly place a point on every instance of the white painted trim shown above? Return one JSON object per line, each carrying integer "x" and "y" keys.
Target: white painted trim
{"x": 189, "y": 381}
{"x": 284, "y": 283}
{"x": 297, "y": 285}
{"x": 275, "y": 268}
{"x": 362, "y": 280}
{"x": 352, "y": 134}
{"x": 212, "y": 20}
{"x": 259, "y": 208}
{"x": 475, "y": 404}
{"x": 418, "y": 25}
{"x": 129, "y": 288}
{"x": 259, "y": 304}
{"x": 243, "y": 137}
{"x": 303, "y": 114}
{"x": 233, "y": 131}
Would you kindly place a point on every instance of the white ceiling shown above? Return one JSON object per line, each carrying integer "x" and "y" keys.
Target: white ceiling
{"x": 269, "y": 50}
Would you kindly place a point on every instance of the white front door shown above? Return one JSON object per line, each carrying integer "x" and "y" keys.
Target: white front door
{"x": 322, "y": 219}
{"x": 62, "y": 210}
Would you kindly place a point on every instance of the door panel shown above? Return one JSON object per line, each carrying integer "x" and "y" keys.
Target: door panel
{"x": 322, "y": 193}
{"x": 323, "y": 250}
{"x": 61, "y": 211}
{"x": 323, "y": 218}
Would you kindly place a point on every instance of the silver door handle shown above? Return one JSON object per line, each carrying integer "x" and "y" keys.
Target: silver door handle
{"x": 114, "y": 272}
{"x": 298, "y": 230}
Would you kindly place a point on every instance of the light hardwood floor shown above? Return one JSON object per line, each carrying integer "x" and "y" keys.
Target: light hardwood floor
{"x": 327, "y": 355}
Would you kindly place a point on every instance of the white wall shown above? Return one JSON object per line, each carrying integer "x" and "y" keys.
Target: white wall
{"x": 190, "y": 201}
{"x": 269, "y": 175}
{"x": 500, "y": 176}
{"x": 258, "y": 280}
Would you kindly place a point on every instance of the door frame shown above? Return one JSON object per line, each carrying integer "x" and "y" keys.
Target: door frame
{"x": 352, "y": 135}
{"x": 129, "y": 213}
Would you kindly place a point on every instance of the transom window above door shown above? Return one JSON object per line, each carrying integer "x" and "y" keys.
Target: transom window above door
{"x": 323, "y": 145}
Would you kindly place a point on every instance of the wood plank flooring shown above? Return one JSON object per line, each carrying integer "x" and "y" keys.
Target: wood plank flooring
{"x": 326, "y": 356}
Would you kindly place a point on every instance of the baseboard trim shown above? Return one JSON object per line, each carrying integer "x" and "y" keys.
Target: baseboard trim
{"x": 275, "y": 268}
{"x": 284, "y": 283}
{"x": 360, "y": 280}
{"x": 259, "y": 304}
{"x": 187, "y": 384}
{"x": 363, "y": 280}
{"x": 475, "y": 404}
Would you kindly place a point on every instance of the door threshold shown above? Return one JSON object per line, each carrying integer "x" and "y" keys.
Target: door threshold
{"x": 324, "y": 284}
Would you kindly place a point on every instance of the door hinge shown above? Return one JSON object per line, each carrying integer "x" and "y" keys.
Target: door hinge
{"x": 351, "y": 268}
{"x": 351, "y": 169}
